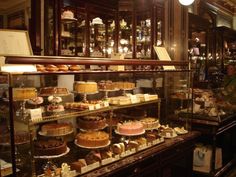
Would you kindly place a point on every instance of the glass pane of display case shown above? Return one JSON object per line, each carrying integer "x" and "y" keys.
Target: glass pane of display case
{"x": 68, "y": 32}
{"x": 97, "y": 37}
{"x": 49, "y": 28}
{"x": 125, "y": 45}
{"x": 143, "y": 35}
{"x": 81, "y": 32}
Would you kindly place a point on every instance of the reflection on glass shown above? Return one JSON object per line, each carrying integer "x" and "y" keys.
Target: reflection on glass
{"x": 159, "y": 35}
{"x": 81, "y": 32}
{"x": 143, "y": 35}
{"x": 125, "y": 34}
{"x": 97, "y": 38}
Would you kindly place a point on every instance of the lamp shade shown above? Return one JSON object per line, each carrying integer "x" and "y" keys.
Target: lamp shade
{"x": 186, "y": 2}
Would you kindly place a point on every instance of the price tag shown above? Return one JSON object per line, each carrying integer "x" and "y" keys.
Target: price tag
{"x": 91, "y": 107}
{"x": 146, "y": 97}
{"x": 106, "y": 104}
{"x": 133, "y": 99}
{"x": 97, "y": 106}
{"x": 107, "y": 161}
{"x": 85, "y": 169}
{"x": 36, "y": 115}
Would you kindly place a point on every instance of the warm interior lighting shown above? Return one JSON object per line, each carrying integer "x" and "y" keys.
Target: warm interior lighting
{"x": 186, "y": 2}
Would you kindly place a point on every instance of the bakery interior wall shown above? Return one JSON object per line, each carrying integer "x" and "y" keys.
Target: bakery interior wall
{"x": 30, "y": 15}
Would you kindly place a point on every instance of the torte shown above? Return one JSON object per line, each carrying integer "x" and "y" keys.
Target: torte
{"x": 85, "y": 87}
{"x": 92, "y": 139}
{"x": 50, "y": 147}
{"x": 24, "y": 93}
{"x": 150, "y": 122}
{"x": 47, "y": 91}
{"x": 130, "y": 128}
{"x": 91, "y": 122}
{"x": 20, "y": 137}
{"x": 55, "y": 129}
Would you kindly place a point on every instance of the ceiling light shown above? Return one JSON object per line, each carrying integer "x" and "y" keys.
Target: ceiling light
{"x": 186, "y": 2}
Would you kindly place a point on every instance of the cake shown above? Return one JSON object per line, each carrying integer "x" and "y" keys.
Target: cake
{"x": 150, "y": 122}
{"x": 56, "y": 129}
{"x": 55, "y": 108}
{"x": 130, "y": 128}
{"x": 77, "y": 165}
{"x": 35, "y": 101}
{"x": 120, "y": 100}
{"x": 24, "y": 93}
{"x": 20, "y": 137}
{"x": 106, "y": 85}
{"x": 118, "y": 148}
{"x": 92, "y": 139}
{"x": 91, "y": 122}
{"x": 67, "y": 14}
{"x": 93, "y": 157}
{"x": 124, "y": 85}
{"x": 50, "y": 147}
{"x": 152, "y": 135}
{"x": 167, "y": 132}
{"x": 86, "y": 87}
{"x": 47, "y": 91}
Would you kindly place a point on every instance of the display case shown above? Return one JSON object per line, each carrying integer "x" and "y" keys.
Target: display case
{"x": 68, "y": 118}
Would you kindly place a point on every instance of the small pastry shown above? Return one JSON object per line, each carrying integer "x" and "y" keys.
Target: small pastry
{"x": 78, "y": 165}
{"x": 51, "y": 68}
{"x": 63, "y": 67}
{"x": 40, "y": 67}
{"x": 106, "y": 154}
{"x": 116, "y": 148}
{"x": 74, "y": 67}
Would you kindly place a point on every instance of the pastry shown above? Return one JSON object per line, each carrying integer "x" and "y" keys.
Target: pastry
{"x": 93, "y": 157}
{"x": 77, "y": 165}
{"x": 92, "y": 139}
{"x": 56, "y": 129}
{"x": 85, "y": 87}
{"x": 55, "y": 108}
{"x": 74, "y": 67}
{"x": 48, "y": 91}
{"x": 118, "y": 148}
{"x": 54, "y": 99}
{"x": 63, "y": 67}
{"x": 40, "y": 68}
{"x": 105, "y": 154}
{"x": 50, "y": 147}
{"x": 130, "y": 128}
{"x": 35, "y": 101}
{"x": 51, "y": 68}
{"x": 91, "y": 122}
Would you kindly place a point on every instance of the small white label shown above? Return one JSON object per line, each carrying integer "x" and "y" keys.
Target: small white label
{"x": 146, "y": 97}
{"x": 94, "y": 165}
{"x": 107, "y": 161}
{"x": 106, "y": 104}
{"x": 133, "y": 99}
{"x": 91, "y": 107}
{"x": 85, "y": 169}
{"x": 36, "y": 114}
{"x": 116, "y": 157}
{"x": 97, "y": 106}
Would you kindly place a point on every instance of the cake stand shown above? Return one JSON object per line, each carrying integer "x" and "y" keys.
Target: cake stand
{"x": 58, "y": 135}
{"x": 124, "y": 134}
{"x": 49, "y": 165}
{"x": 107, "y": 91}
{"x": 97, "y": 147}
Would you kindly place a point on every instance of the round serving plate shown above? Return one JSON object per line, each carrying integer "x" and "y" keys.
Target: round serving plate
{"x": 87, "y": 147}
{"x": 118, "y": 133}
{"x": 44, "y": 134}
{"x": 89, "y": 130}
{"x": 53, "y": 156}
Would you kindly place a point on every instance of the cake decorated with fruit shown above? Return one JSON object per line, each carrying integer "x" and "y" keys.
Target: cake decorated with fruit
{"x": 130, "y": 128}
{"x": 85, "y": 87}
{"x": 50, "y": 147}
{"x": 92, "y": 139}
{"x": 56, "y": 129}
{"x": 91, "y": 122}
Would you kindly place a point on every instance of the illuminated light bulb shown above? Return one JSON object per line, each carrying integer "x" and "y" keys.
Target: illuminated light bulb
{"x": 186, "y": 2}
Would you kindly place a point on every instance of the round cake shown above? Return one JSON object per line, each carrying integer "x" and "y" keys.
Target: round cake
{"x": 47, "y": 91}
{"x": 50, "y": 147}
{"x": 150, "y": 122}
{"x": 85, "y": 87}
{"x": 91, "y": 122}
{"x": 106, "y": 85}
{"x": 56, "y": 129}
{"x": 130, "y": 128}
{"x": 24, "y": 93}
{"x": 20, "y": 137}
{"x": 92, "y": 139}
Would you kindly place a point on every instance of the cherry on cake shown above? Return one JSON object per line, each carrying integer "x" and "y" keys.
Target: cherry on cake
{"x": 56, "y": 129}
{"x": 92, "y": 139}
{"x": 130, "y": 128}
{"x": 92, "y": 122}
{"x": 50, "y": 147}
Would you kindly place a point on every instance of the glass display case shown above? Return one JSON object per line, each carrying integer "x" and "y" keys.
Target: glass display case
{"x": 65, "y": 116}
